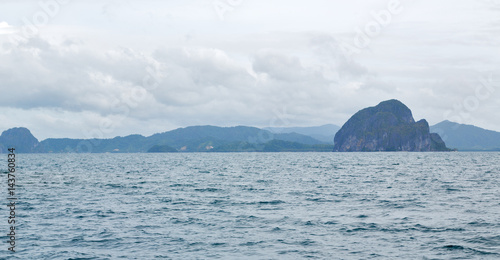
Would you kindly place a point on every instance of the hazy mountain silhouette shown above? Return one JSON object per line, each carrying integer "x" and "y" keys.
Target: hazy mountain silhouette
{"x": 233, "y": 139}
{"x": 467, "y": 137}
{"x": 19, "y": 138}
{"x": 188, "y": 139}
{"x": 324, "y": 133}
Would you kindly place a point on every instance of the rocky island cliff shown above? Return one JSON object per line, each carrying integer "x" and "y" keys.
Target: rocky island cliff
{"x": 389, "y": 126}
{"x": 20, "y": 138}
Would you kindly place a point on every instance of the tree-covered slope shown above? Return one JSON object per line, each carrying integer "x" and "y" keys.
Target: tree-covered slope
{"x": 389, "y": 126}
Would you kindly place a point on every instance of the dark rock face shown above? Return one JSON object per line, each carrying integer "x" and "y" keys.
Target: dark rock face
{"x": 19, "y": 138}
{"x": 389, "y": 126}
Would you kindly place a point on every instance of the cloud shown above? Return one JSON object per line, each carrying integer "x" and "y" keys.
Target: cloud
{"x": 195, "y": 85}
{"x": 281, "y": 67}
{"x": 5, "y": 28}
{"x": 88, "y": 66}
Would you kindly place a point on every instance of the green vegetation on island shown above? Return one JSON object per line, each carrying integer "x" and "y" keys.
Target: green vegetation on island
{"x": 389, "y": 126}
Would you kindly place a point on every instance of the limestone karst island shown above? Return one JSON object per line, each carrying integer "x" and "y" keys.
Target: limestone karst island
{"x": 389, "y": 126}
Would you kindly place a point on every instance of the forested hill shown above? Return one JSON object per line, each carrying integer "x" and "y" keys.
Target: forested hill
{"x": 189, "y": 139}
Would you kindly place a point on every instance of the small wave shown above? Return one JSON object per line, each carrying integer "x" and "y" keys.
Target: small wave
{"x": 181, "y": 185}
{"x": 480, "y": 224}
{"x": 196, "y": 244}
{"x": 485, "y": 240}
{"x": 218, "y": 244}
{"x": 454, "y": 247}
{"x": 272, "y": 202}
{"x": 103, "y": 242}
{"x": 362, "y": 227}
{"x": 82, "y": 258}
{"x": 467, "y": 249}
{"x": 355, "y": 230}
{"x": 318, "y": 200}
{"x": 218, "y": 202}
{"x": 112, "y": 185}
{"x": 423, "y": 228}
{"x": 284, "y": 252}
{"x": 207, "y": 190}
{"x": 251, "y": 243}
{"x": 306, "y": 242}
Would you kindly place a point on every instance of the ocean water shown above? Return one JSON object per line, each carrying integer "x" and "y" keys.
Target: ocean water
{"x": 257, "y": 206}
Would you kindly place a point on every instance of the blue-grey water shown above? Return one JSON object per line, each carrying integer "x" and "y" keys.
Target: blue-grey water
{"x": 257, "y": 206}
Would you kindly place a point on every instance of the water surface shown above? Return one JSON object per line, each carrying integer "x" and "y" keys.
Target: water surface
{"x": 258, "y": 206}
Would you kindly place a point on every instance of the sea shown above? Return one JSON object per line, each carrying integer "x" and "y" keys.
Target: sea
{"x": 401, "y": 205}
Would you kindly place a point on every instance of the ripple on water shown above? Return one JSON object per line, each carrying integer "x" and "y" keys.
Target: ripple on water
{"x": 259, "y": 206}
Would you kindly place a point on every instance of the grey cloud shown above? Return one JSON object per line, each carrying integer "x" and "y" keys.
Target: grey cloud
{"x": 243, "y": 69}
{"x": 328, "y": 48}
{"x": 280, "y": 67}
{"x": 197, "y": 76}
{"x": 46, "y": 75}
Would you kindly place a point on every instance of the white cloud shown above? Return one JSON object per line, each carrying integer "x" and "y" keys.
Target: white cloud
{"x": 5, "y": 28}
{"x": 90, "y": 62}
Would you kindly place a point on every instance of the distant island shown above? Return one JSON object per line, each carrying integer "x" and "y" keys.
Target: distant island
{"x": 188, "y": 139}
{"x": 467, "y": 137}
{"x": 388, "y": 126}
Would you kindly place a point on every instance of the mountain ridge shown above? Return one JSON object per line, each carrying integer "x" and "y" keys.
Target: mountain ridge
{"x": 465, "y": 137}
{"x": 188, "y": 139}
{"x": 455, "y": 135}
{"x": 324, "y": 133}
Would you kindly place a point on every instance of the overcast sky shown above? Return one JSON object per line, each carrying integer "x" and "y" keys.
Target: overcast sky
{"x": 85, "y": 69}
